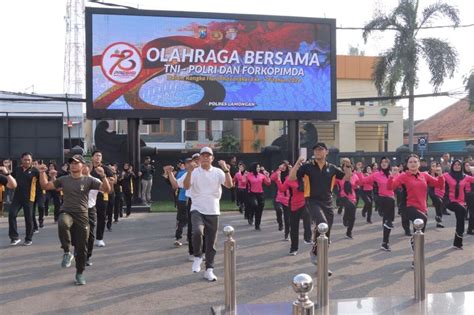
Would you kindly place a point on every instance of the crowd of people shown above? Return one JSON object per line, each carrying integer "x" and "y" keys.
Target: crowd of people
{"x": 88, "y": 196}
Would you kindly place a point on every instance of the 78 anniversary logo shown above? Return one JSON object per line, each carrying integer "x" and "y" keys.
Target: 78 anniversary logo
{"x": 121, "y": 62}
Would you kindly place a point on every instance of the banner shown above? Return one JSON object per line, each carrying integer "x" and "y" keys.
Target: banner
{"x": 147, "y": 64}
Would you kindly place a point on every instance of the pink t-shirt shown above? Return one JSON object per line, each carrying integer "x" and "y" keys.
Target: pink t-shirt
{"x": 451, "y": 186}
{"x": 381, "y": 180}
{"x": 281, "y": 196}
{"x": 354, "y": 184}
{"x": 256, "y": 182}
{"x": 417, "y": 187}
{"x": 240, "y": 180}
{"x": 297, "y": 197}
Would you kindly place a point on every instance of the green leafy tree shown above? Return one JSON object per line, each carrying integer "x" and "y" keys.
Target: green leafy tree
{"x": 398, "y": 66}
{"x": 228, "y": 143}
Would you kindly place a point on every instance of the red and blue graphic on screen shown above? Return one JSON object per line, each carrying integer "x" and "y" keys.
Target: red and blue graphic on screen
{"x": 262, "y": 65}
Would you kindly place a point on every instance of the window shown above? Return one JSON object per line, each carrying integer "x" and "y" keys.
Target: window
{"x": 371, "y": 137}
{"x": 164, "y": 127}
{"x": 191, "y": 130}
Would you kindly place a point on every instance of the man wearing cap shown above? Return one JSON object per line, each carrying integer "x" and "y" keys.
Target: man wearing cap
{"x": 146, "y": 172}
{"x": 317, "y": 180}
{"x": 73, "y": 216}
{"x": 204, "y": 185}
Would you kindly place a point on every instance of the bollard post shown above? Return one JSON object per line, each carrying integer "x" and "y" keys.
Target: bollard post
{"x": 419, "y": 260}
{"x": 322, "y": 268}
{"x": 303, "y": 285}
{"x": 229, "y": 272}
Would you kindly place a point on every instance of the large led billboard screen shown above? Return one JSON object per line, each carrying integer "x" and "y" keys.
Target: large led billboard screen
{"x": 157, "y": 64}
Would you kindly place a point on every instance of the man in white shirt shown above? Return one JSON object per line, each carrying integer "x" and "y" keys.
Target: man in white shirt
{"x": 204, "y": 185}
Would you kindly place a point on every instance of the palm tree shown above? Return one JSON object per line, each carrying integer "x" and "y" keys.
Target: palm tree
{"x": 398, "y": 66}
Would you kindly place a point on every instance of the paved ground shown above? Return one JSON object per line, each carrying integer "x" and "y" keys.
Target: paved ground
{"x": 140, "y": 272}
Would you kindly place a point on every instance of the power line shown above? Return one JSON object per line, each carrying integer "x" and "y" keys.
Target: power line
{"x": 394, "y": 29}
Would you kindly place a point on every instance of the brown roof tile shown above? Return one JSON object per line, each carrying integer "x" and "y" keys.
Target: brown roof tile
{"x": 454, "y": 122}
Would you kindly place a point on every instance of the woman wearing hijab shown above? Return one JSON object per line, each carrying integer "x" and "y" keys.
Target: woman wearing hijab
{"x": 456, "y": 181}
{"x": 298, "y": 209}
{"x": 436, "y": 195}
{"x": 469, "y": 196}
{"x": 366, "y": 194}
{"x": 282, "y": 198}
{"x": 348, "y": 198}
{"x": 385, "y": 199}
{"x": 256, "y": 177}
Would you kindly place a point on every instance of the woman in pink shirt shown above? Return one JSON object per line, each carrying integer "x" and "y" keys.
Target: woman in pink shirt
{"x": 282, "y": 199}
{"x": 240, "y": 182}
{"x": 385, "y": 200}
{"x": 256, "y": 177}
{"x": 436, "y": 195}
{"x": 367, "y": 194}
{"x": 348, "y": 198}
{"x": 298, "y": 210}
{"x": 469, "y": 196}
{"x": 456, "y": 182}
{"x": 416, "y": 184}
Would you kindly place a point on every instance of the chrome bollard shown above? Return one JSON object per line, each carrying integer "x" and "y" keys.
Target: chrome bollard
{"x": 303, "y": 285}
{"x": 322, "y": 269}
{"x": 229, "y": 272}
{"x": 419, "y": 260}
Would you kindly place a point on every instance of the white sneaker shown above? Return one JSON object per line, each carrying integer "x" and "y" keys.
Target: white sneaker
{"x": 100, "y": 243}
{"x": 209, "y": 275}
{"x": 197, "y": 264}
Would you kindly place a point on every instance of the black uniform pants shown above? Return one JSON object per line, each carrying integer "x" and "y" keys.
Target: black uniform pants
{"x": 13, "y": 210}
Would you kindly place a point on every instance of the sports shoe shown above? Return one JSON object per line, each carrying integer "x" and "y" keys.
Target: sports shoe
{"x": 411, "y": 242}
{"x": 36, "y": 231}
{"x": 309, "y": 242}
{"x": 257, "y": 228}
{"x": 349, "y": 236}
{"x": 41, "y": 225}
{"x": 197, "y": 264}
{"x": 388, "y": 225}
{"x": 413, "y": 265}
{"x": 292, "y": 253}
{"x": 286, "y": 238}
{"x": 408, "y": 233}
{"x": 439, "y": 225}
{"x": 456, "y": 247}
{"x": 209, "y": 275}
{"x": 190, "y": 258}
{"x": 100, "y": 243}
{"x": 27, "y": 243}
{"x": 446, "y": 213}
{"x": 14, "y": 242}
{"x": 89, "y": 263}
{"x": 67, "y": 259}
{"x": 385, "y": 247}
{"x": 438, "y": 219}
{"x": 178, "y": 243}
{"x": 80, "y": 280}
{"x": 369, "y": 222}
{"x": 470, "y": 232}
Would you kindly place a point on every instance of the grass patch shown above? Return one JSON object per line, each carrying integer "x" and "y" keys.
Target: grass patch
{"x": 168, "y": 206}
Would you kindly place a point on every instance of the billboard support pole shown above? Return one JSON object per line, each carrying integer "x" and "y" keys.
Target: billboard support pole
{"x": 133, "y": 147}
{"x": 293, "y": 140}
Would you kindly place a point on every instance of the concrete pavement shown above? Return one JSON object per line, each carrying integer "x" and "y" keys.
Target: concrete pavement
{"x": 141, "y": 272}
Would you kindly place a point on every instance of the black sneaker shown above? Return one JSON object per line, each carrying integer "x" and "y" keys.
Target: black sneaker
{"x": 257, "y": 228}
{"x": 411, "y": 242}
{"x": 292, "y": 253}
{"x": 15, "y": 242}
{"x": 388, "y": 225}
{"x": 438, "y": 219}
{"x": 385, "y": 247}
{"x": 369, "y": 221}
{"x": 41, "y": 225}
{"x": 440, "y": 225}
{"x": 349, "y": 236}
{"x": 446, "y": 213}
{"x": 27, "y": 243}
{"x": 88, "y": 263}
{"x": 470, "y": 232}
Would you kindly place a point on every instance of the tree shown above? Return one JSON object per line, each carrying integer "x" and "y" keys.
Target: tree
{"x": 469, "y": 82}
{"x": 228, "y": 143}
{"x": 398, "y": 66}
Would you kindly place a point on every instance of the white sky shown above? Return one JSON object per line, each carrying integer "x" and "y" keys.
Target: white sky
{"x": 33, "y": 37}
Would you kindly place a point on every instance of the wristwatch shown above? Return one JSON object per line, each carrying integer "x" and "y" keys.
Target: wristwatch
{"x": 226, "y": 171}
